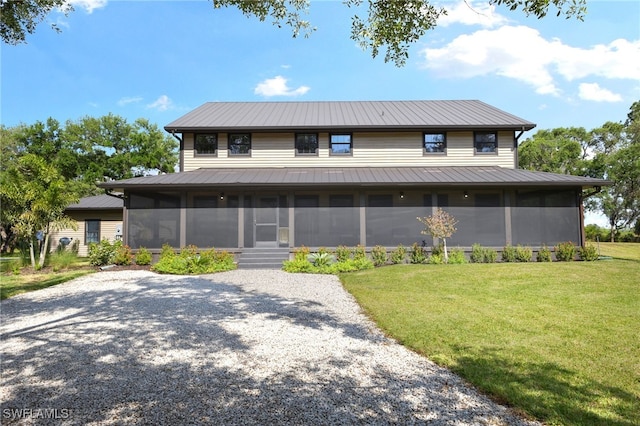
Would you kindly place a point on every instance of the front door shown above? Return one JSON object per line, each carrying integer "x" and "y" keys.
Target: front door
{"x": 266, "y": 223}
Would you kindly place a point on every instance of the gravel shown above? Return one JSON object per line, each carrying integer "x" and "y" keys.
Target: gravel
{"x": 240, "y": 347}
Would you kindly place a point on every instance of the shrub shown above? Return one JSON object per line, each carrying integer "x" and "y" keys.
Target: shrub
{"x": 544, "y": 254}
{"x": 379, "y": 255}
{"x": 435, "y": 259}
{"x": 589, "y": 253}
{"x": 123, "y": 255}
{"x": 302, "y": 253}
{"x": 297, "y": 265}
{"x": 325, "y": 263}
{"x": 321, "y": 259}
{"x": 417, "y": 254}
{"x": 481, "y": 254}
{"x": 477, "y": 254}
{"x": 565, "y": 252}
{"x": 359, "y": 252}
{"x": 399, "y": 255}
{"x": 143, "y": 257}
{"x": 189, "y": 261}
{"x": 523, "y": 254}
{"x": 102, "y": 253}
{"x": 343, "y": 253}
{"x": 509, "y": 254}
{"x": 456, "y": 256}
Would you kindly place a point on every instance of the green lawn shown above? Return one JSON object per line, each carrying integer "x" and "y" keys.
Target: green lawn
{"x": 10, "y": 285}
{"x": 558, "y": 341}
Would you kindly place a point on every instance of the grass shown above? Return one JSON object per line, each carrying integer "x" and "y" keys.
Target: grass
{"x": 62, "y": 268}
{"x": 558, "y": 342}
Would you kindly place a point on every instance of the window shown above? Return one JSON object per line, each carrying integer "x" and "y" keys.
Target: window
{"x": 435, "y": 143}
{"x": 206, "y": 144}
{"x": 306, "y": 143}
{"x": 486, "y": 142}
{"x": 340, "y": 144}
{"x": 91, "y": 231}
{"x": 239, "y": 144}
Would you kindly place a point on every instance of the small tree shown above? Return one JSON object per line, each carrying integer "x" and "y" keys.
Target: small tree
{"x": 439, "y": 225}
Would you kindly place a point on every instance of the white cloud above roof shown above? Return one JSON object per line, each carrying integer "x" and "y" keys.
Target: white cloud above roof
{"x": 593, "y": 92}
{"x": 277, "y": 86}
{"x": 522, "y": 53}
{"x": 129, "y": 100}
{"x": 163, "y": 103}
{"x": 88, "y": 5}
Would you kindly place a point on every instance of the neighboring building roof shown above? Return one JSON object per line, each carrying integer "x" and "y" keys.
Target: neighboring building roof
{"x": 98, "y": 202}
{"x": 371, "y": 115}
{"x": 472, "y": 176}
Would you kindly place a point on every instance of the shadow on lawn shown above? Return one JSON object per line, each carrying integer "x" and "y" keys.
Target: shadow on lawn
{"x": 549, "y": 392}
{"x": 162, "y": 350}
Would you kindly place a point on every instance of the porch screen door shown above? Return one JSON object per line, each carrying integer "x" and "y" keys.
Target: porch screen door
{"x": 266, "y": 222}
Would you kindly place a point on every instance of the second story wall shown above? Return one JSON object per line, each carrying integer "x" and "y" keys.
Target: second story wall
{"x": 369, "y": 149}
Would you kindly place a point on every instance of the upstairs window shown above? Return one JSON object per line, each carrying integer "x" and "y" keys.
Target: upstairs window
{"x": 486, "y": 142}
{"x": 435, "y": 143}
{"x": 340, "y": 144}
{"x": 206, "y": 144}
{"x": 239, "y": 144}
{"x": 306, "y": 144}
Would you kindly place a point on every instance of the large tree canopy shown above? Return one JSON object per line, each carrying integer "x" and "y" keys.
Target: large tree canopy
{"x": 93, "y": 149}
{"x": 388, "y": 25}
{"x": 611, "y": 152}
{"x": 46, "y": 165}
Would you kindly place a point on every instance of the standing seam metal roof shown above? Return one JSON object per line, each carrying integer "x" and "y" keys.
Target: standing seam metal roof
{"x": 363, "y": 176}
{"x": 273, "y": 116}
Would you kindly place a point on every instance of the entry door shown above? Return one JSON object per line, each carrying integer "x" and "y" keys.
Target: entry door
{"x": 266, "y": 224}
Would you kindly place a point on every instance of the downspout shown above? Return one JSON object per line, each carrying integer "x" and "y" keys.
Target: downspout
{"x": 179, "y": 139}
{"x": 581, "y": 197}
{"x": 515, "y": 146}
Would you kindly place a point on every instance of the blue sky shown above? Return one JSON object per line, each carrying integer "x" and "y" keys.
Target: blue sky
{"x": 160, "y": 59}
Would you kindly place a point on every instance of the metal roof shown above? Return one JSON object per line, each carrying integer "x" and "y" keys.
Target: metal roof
{"x": 354, "y": 177}
{"x": 372, "y": 115}
{"x": 98, "y": 202}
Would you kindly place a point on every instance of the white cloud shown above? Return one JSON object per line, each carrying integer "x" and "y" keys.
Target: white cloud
{"x": 468, "y": 13}
{"x": 88, "y": 5}
{"x": 593, "y": 92}
{"x": 129, "y": 100}
{"x": 163, "y": 103}
{"x": 277, "y": 86}
{"x": 521, "y": 53}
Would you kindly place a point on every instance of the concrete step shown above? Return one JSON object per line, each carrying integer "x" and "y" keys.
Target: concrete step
{"x": 262, "y": 258}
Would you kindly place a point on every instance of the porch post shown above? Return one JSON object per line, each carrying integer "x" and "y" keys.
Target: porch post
{"x": 183, "y": 219}
{"x": 240, "y": 220}
{"x": 507, "y": 218}
{"x": 363, "y": 218}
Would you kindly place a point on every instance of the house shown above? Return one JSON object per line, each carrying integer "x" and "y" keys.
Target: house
{"x": 96, "y": 217}
{"x": 288, "y": 174}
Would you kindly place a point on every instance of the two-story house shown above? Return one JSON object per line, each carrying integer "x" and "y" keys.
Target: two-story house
{"x": 288, "y": 174}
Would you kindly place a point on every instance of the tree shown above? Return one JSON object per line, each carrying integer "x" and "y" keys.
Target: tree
{"x": 83, "y": 153}
{"x": 92, "y": 149}
{"x": 561, "y": 150}
{"x": 389, "y": 25}
{"x": 439, "y": 225}
{"x": 20, "y": 17}
{"x": 34, "y": 196}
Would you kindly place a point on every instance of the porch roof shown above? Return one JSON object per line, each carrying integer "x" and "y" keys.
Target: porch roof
{"x": 347, "y": 115}
{"x": 472, "y": 176}
{"x": 98, "y": 202}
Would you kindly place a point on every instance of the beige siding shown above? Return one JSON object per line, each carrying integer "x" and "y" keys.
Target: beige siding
{"x": 374, "y": 149}
{"x": 109, "y": 221}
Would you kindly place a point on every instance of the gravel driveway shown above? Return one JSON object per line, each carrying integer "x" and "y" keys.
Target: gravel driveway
{"x": 240, "y": 347}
